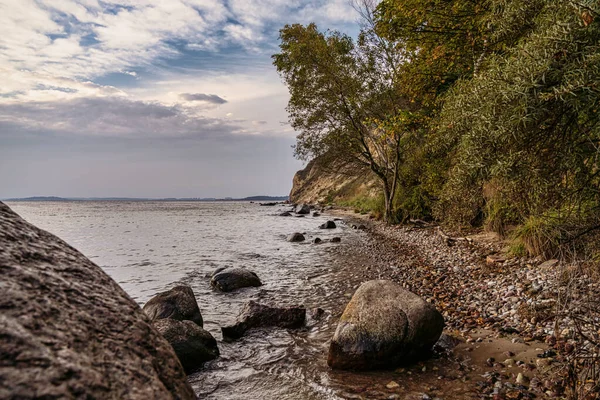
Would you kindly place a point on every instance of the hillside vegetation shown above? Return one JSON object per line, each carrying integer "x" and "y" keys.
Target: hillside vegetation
{"x": 474, "y": 113}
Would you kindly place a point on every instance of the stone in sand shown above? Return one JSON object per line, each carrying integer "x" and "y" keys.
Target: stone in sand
{"x": 178, "y": 303}
{"x": 192, "y": 344}
{"x": 383, "y": 326}
{"x": 69, "y": 331}
{"x": 255, "y": 315}
{"x": 229, "y": 279}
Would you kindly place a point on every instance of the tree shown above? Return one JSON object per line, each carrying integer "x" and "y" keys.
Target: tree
{"x": 345, "y": 100}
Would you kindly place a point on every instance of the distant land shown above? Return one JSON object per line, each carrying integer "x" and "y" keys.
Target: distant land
{"x": 54, "y": 198}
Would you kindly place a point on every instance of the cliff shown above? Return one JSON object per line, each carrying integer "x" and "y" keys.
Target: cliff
{"x": 321, "y": 182}
{"x": 69, "y": 331}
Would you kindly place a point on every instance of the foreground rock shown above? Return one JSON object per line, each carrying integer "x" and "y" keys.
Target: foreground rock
{"x": 192, "y": 344}
{"x": 69, "y": 331}
{"x": 256, "y": 315}
{"x": 178, "y": 303}
{"x": 384, "y": 326}
{"x": 296, "y": 237}
{"x": 302, "y": 209}
{"x": 328, "y": 225}
{"x": 229, "y": 279}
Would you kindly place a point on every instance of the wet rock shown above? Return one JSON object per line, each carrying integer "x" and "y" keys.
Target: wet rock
{"x": 384, "y": 325}
{"x": 230, "y": 279}
{"x": 285, "y": 214}
{"x": 255, "y": 315}
{"x": 335, "y": 240}
{"x": 361, "y": 227}
{"x": 296, "y": 237}
{"x": 69, "y": 331}
{"x": 192, "y": 344}
{"x": 178, "y": 303}
{"x": 328, "y": 225}
{"x": 316, "y": 214}
{"x": 317, "y": 240}
{"x": 302, "y": 209}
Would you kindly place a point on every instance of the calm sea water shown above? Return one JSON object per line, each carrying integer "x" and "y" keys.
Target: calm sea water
{"x": 148, "y": 247}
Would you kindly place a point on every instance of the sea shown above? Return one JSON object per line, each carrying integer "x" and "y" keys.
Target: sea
{"x": 149, "y": 247}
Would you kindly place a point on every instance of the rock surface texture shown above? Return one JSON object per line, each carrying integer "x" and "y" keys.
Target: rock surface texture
{"x": 230, "y": 279}
{"x": 192, "y": 344}
{"x": 69, "y": 331}
{"x": 178, "y": 303}
{"x": 255, "y": 315}
{"x": 384, "y": 326}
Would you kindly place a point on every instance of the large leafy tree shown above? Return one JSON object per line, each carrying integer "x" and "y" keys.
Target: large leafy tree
{"x": 345, "y": 100}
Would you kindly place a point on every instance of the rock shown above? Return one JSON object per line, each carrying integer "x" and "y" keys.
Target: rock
{"x": 495, "y": 259}
{"x": 302, "y": 209}
{"x": 69, "y": 331}
{"x": 230, "y": 279}
{"x": 285, "y": 214}
{"x": 178, "y": 303}
{"x": 384, "y": 325}
{"x": 335, "y": 240}
{"x": 392, "y": 385}
{"x": 255, "y": 315}
{"x": 316, "y": 214}
{"x": 521, "y": 379}
{"x": 192, "y": 344}
{"x": 296, "y": 237}
{"x": 548, "y": 264}
{"x": 361, "y": 227}
{"x": 328, "y": 225}
{"x": 317, "y": 240}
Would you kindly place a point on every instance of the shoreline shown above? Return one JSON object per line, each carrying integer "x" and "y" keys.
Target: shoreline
{"x": 498, "y": 311}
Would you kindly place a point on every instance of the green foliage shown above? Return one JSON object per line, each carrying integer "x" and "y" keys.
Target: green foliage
{"x": 473, "y": 111}
{"x": 366, "y": 205}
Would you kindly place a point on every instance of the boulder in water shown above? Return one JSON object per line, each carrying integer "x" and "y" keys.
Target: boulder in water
{"x": 335, "y": 239}
{"x": 315, "y": 214}
{"x": 229, "y": 279}
{"x": 302, "y": 209}
{"x": 317, "y": 240}
{"x": 178, "y": 303}
{"x": 383, "y": 326}
{"x": 296, "y": 237}
{"x": 255, "y": 315}
{"x": 285, "y": 214}
{"x": 192, "y": 344}
{"x": 69, "y": 331}
{"x": 328, "y": 225}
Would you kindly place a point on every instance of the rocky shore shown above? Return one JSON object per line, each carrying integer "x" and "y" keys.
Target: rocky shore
{"x": 512, "y": 317}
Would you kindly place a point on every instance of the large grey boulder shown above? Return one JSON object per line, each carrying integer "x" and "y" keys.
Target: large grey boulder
{"x": 69, "y": 331}
{"x": 178, "y": 303}
{"x": 255, "y": 315}
{"x": 383, "y": 326}
{"x": 302, "y": 209}
{"x": 192, "y": 344}
{"x": 229, "y": 279}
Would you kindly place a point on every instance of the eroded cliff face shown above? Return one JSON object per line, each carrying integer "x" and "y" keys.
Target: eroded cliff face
{"x": 318, "y": 183}
{"x": 69, "y": 331}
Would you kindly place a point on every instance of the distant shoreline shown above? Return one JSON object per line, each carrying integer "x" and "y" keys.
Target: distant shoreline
{"x": 56, "y": 199}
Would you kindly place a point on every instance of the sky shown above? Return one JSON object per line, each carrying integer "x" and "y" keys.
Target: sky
{"x": 148, "y": 98}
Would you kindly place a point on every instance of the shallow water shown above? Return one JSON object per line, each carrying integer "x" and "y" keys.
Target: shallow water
{"x": 148, "y": 247}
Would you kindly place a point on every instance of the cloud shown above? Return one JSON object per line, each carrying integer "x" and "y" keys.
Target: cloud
{"x": 208, "y": 98}
{"x": 111, "y": 116}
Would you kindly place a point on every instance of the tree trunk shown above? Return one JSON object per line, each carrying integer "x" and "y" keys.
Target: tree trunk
{"x": 387, "y": 217}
